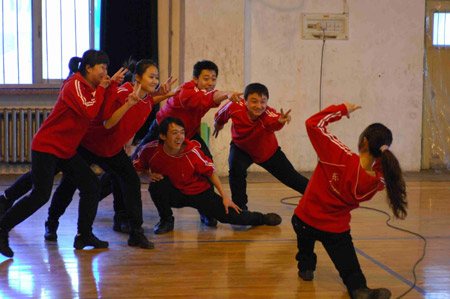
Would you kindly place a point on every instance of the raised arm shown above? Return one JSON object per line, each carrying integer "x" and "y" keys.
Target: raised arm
{"x": 159, "y": 98}
{"x": 221, "y": 96}
{"x": 328, "y": 148}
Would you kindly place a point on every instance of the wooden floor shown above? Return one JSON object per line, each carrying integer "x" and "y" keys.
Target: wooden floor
{"x": 230, "y": 261}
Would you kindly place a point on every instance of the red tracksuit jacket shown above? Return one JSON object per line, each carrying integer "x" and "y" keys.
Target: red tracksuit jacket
{"x": 338, "y": 183}
{"x": 187, "y": 171}
{"x": 256, "y": 138}
{"x": 77, "y": 104}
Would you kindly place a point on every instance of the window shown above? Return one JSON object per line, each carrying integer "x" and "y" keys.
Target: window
{"x": 441, "y": 29}
{"x": 38, "y": 38}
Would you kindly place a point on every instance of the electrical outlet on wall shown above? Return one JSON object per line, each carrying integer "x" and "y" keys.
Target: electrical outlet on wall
{"x": 324, "y": 26}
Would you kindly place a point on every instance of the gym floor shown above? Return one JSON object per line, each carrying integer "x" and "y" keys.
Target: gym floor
{"x": 232, "y": 261}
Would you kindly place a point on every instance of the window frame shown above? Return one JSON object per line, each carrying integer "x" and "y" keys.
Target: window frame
{"x": 36, "y": 40}
{"x": 447, "y": 12}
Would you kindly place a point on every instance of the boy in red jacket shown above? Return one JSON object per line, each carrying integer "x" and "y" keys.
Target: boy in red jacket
{"x": 181, "y": 176}
{"x": 254, "y": 141}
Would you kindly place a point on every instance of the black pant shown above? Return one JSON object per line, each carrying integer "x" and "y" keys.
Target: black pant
{"x": 339, "y": 247}
{"x": 166, "y": 196}
{"x": 153, "y": 134}
{"x": 43, "y": 169}
{"x": 277, "y": 165}
{"x": 20, "y": 187}
{"x": 109, "y": 183}
{"x": 120, "y": 165}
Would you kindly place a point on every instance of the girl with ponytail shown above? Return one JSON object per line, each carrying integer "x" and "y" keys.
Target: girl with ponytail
{"x": 54, "y": 149}
{"x": 341, "y": 180}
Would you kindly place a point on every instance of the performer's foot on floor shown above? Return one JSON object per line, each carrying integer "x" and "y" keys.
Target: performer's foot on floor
{"x": 272, "y": 219}
{"x": 83, "y": 240}
{"x": 4, "y": 244}
{"x": 164, "y": 226}
{"x": 208, "y": 221}
{"x": 306, "y": 275}
{"x": 137, "y": 238}
{"x": 381, "y": 293}
{"x": 51, "y": 226}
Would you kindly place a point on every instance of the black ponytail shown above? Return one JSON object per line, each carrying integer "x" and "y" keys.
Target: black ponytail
{"x": 395, "y": 184}
{"x": 91, "y": 58}
{"x": 74, "y": 65}
{"x": 379, "y": 137}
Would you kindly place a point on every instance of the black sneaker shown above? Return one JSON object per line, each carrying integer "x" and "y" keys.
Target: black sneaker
{"x": 371, "y": 294}
{"x": 4, "y": 244}
{"x": 208, "y": 221}
{"x": 120, "y": 223}
{"x": 137, "y": 238}
{"x": 51, "y": 226}
{"x": 4, "y": 205}
{"x": 82, "y": 241}
{"x": 306, "y": 275}
{"x": 121, "y": 227}
{"x": 164, "y": 226}
{"x": 271, "y": 219}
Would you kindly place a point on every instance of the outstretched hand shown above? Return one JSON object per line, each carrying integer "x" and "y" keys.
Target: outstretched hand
{"x": 351, "y": 108}
{"x": 174, "y": 92}
{"x": 160, "y": 98}
{"x": 284, "y": 117}
{"x": 119, "y": 76}
{"x": 164, "y": 88}
{"x": 235, "y": 97}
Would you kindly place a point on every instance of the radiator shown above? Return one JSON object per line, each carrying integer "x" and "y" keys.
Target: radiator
{"x": 17, "y": 127}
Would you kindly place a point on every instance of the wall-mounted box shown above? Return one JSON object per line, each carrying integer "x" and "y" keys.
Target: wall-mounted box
{"x": 328, "y": 26}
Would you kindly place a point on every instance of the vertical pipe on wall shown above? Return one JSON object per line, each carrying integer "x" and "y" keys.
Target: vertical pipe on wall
{"x": 6, "y": 134}
{"x": 170, "y": 39}
{"x": 247, "y": 42}
{"x": 14, "y": 135}
{"x": 181, "y": 41}
{"x": 29, "y": 133}
{"x": 21, "y": 136}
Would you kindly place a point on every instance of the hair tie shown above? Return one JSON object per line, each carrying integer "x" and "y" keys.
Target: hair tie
{"x": 383, "y": 148}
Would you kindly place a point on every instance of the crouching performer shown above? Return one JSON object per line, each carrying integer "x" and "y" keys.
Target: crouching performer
{"x": 179, "y": 172}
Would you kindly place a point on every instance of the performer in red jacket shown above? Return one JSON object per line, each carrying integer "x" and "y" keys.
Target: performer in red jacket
{"x": 181, "y": 176}
{"x": 128, "y": 107}
{"x": 341, "y": 180}
{"x": 54, "y": 148}
{"x": 196, "y": 98}
{"x": 254, "y": 141}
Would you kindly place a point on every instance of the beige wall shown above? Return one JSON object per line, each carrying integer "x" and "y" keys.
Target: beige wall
{"x": 379, "y": 67}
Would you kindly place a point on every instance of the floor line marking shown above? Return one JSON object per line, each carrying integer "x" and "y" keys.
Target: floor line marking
{"x": 392, "y": 272}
